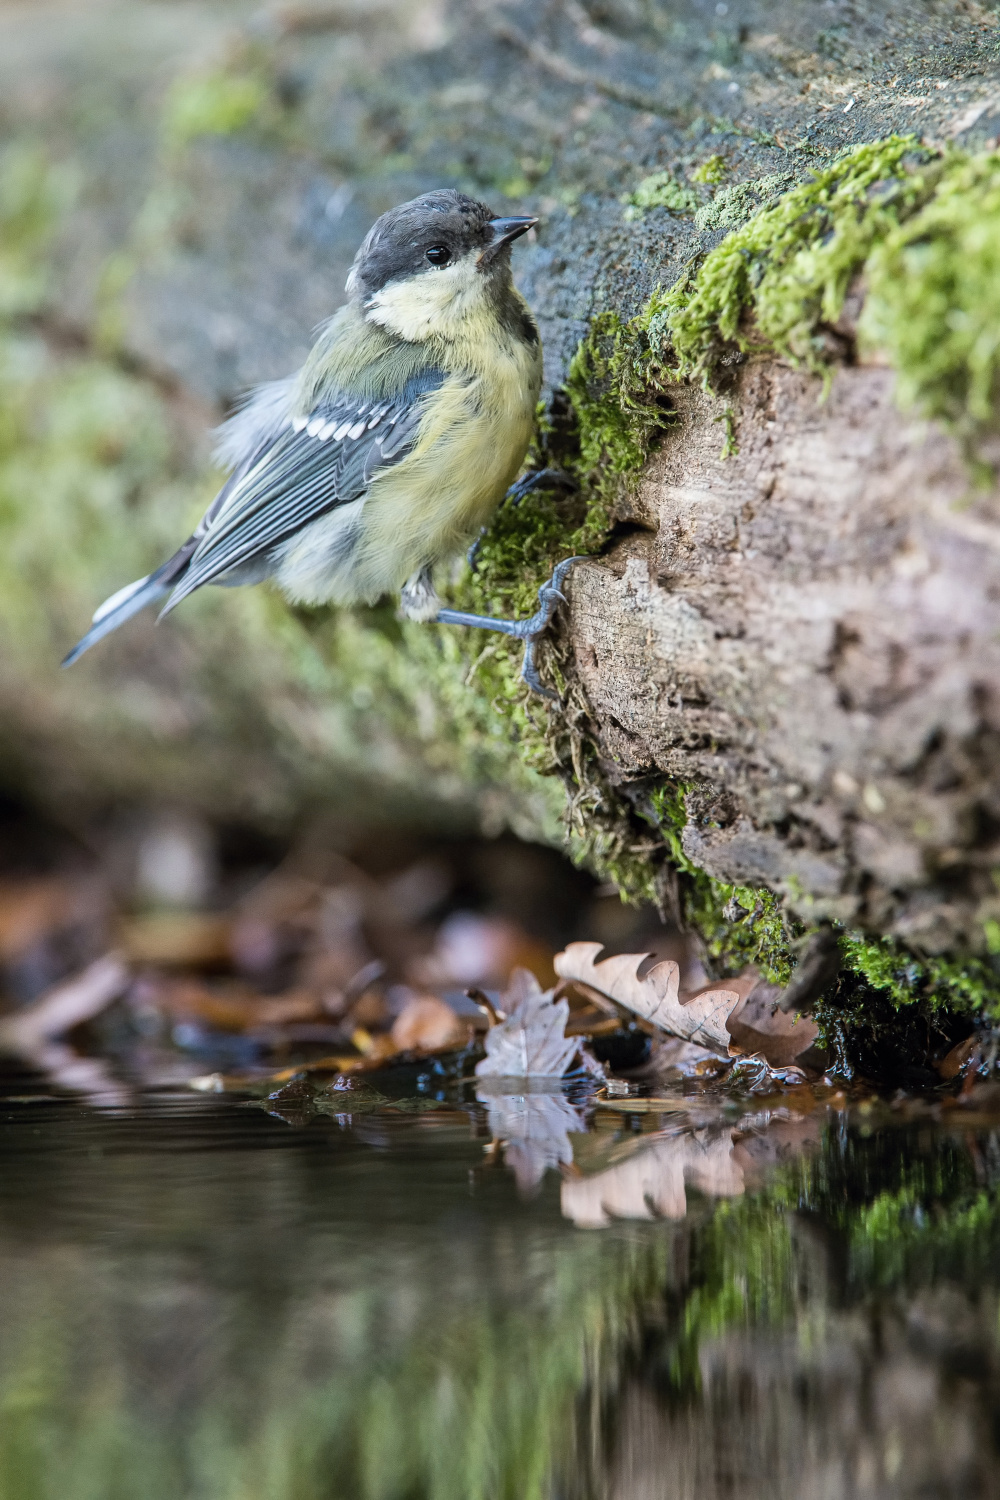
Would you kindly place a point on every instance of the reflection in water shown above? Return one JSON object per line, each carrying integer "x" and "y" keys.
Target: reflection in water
{"x": 201, "y": 1300}
{"x": 535, "y": 1129}
{"x": 649, "y": 1182}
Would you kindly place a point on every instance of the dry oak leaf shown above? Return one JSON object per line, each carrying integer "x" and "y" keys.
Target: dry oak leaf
{"x": 532, "y": 1041}
{"x": 699, "y": 1018}
{"x": 734, "y": 1015}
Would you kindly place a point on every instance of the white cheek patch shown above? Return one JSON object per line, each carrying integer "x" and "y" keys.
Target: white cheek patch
{"x": 434, "y": 302}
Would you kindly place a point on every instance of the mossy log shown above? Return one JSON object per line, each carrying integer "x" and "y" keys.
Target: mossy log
{"x": 806, "y": 635}
{"x": 779, "y": 669}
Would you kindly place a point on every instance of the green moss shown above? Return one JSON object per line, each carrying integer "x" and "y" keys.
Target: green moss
{"x": 730, "y": 447}
{"x": 711, "y": 171}
{"x": 967, "y": 985}
{"x": 934, "y": 304}
{"x": 923, "y": 228}
{"x": 738, "y": 925}
{"x": 775, "y": 279}
{"x": 611, "y": 385}
{"x": 743, "y": 926}
{"x": 661, "y": 190}
{"x": 735, "y": 204}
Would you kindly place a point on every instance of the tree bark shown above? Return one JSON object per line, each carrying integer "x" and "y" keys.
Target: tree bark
{"x": 807, "y": 634}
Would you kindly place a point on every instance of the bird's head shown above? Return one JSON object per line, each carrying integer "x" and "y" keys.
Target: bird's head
{"x": 429, "y": 266}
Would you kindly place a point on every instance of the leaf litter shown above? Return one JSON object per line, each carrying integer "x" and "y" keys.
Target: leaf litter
{"x": 741, "y": 1015}
{"x": 324, "y": 987}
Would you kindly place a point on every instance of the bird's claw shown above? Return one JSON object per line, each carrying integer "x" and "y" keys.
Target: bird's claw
{"x": 529, "y": 671}
{"x": 536, "y": 479}
{"x": 550, "y": 595}
{"x": 529, "y": 631}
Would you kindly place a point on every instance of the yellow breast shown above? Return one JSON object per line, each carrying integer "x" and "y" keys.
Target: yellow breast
{"x": 470, "y": 445}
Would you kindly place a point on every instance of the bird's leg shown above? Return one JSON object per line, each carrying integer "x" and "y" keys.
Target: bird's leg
{"x": 529, "y": 631}
{"x": 536, "y": 479}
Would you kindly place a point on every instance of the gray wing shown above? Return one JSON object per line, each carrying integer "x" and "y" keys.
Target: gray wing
{"x": 306, "y": 468}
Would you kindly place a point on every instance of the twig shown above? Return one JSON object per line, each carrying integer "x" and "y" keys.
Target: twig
{"x": 480, "y": 998}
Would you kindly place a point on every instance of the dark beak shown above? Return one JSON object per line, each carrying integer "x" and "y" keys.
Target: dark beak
{"x": 504, "y": 232}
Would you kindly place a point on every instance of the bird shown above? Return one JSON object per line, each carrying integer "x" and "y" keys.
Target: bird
{"x": 393, "y": 445}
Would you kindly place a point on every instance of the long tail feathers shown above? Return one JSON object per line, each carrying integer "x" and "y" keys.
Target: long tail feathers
{"x": 134, "y": 597}
{"x": 119, "y": 608}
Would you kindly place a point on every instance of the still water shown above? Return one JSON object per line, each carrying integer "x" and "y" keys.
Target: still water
{"x": 209, "y": 1298}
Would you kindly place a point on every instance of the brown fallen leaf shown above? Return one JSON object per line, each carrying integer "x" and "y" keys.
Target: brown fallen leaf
{"x": 955, "y": 1061}
{"x": 176, "y": 939}
{"x": 189, "y": 999}
{"x": 699, "y": 1018}
{"x": 733, "y": 1016}
{"x": 428, "y": 1023}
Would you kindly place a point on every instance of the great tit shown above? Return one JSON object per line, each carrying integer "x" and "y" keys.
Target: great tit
{"x": 393, "y": 445}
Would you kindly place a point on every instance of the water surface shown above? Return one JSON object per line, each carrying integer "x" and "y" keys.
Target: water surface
{"x": 205, "y": 1299}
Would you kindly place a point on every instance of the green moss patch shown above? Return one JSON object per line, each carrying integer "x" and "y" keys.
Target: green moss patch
{"x": 934, "y": 303}
{"x": 661, "y": 190}
{"x": 737, "y": 203}
{"x": 774, "y": 280}
{"x": 922, "y": 228}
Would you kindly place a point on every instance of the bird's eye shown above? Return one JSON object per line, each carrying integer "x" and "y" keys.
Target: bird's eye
{"x": 439, "y": 255}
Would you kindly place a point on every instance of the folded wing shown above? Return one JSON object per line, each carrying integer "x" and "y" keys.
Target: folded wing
{"x": 292, "y": 470}
{"x": 314, "y": 464}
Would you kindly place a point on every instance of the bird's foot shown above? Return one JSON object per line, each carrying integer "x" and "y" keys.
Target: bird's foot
{"x": 529, "y": 631}
{"x": 536, "y": 479}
